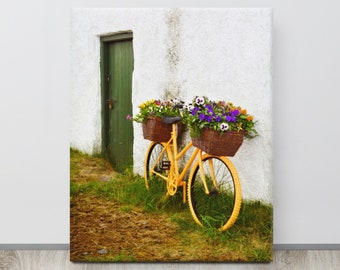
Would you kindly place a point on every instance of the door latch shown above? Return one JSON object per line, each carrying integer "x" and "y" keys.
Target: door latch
{"x": 110, "y": 103}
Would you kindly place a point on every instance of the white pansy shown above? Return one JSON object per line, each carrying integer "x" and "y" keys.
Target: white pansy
{"x": 224, "y": 126}
{"x": 199, "y": 100}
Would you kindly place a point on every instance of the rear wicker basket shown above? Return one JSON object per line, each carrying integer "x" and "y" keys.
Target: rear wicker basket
{"x": 155, "y": 130}
{"x": 212, "y": 142}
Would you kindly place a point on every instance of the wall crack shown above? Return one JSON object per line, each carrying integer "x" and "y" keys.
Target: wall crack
{"x": 173, "y": 22}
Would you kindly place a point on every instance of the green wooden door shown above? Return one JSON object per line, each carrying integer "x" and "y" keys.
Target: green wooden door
{"x": 117, "y": 68}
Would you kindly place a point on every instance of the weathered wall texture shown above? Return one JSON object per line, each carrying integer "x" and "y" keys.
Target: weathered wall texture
{"x": 221, "y": 53}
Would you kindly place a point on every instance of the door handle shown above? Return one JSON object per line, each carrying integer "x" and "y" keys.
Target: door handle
{"x": 110, "y": 103}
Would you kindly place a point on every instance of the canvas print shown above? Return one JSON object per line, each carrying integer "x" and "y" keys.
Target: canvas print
{"x": 171, "y": 135}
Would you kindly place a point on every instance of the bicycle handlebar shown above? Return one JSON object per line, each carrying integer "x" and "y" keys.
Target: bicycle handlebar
{"x": 171, "y": 119}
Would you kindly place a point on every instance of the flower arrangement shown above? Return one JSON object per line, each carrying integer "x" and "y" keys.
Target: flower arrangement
{"x": 216, "y": 127}
{"x": 157, "y": 108}
{"x": 217, "y": 115}
{"x": 150, "y": 115}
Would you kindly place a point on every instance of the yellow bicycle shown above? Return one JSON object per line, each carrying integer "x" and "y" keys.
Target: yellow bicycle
{"x": 213, "y": 187}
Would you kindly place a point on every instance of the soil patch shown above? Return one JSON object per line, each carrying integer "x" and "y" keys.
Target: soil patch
{"x": 106, "y": 230}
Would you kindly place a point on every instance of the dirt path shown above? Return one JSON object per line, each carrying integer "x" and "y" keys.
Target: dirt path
{"x": 105, "y": 229}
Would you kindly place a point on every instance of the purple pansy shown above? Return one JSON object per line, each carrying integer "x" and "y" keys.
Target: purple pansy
{"x": 209, "y": 107}
{"x": 209, "y": 118}
{"x": 235, "y": 112}
{"x": 195, "y": 110}
{"x": 202, "y": 116}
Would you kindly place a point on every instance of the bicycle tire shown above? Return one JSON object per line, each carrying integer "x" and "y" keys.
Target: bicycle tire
{"x": 220, "y": 208}
{"x": 153, "y": 182}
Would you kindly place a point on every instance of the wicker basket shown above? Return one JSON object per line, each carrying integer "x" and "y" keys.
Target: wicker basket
{"x": 212, "y": 142}
{"x": 155, "y": 130}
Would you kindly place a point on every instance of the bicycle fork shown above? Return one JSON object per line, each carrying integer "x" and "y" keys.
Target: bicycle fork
{"x": 211, "y": 174}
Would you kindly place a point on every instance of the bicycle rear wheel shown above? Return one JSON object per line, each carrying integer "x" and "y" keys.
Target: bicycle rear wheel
{"x": 218, "y": 204}
{"x": 157, "y": 167}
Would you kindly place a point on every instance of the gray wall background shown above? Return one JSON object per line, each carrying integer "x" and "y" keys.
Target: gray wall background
{"x": 34, "y": 117}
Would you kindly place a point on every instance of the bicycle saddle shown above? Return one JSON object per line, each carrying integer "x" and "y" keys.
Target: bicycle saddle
{"x": 171, "y": 119}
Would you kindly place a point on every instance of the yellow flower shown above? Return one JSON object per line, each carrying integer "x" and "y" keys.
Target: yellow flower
{"x": 149, "y": 102}
{"x": 146, "y": 104}
{"x": 250, "y": 118}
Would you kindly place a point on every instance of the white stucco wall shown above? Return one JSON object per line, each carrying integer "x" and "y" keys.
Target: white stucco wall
{"x": 222, "y": 53}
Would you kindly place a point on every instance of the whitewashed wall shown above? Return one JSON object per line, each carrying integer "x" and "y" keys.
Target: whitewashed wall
{"x": 221, "y": 53}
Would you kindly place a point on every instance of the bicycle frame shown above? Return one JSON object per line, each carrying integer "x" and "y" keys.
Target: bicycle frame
{"x": 175, "y": 177}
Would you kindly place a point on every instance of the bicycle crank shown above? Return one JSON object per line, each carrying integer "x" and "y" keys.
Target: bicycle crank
{"x": 172, "y": 185}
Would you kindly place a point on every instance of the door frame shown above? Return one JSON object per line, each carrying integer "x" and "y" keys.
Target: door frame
{"x": 104, "y": 40}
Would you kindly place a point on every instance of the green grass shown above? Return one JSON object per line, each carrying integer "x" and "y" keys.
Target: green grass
{"x": 250, "y": 238}
{"x": 124, "y": 256}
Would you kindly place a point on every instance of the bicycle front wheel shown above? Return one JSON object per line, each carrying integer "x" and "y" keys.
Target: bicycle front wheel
{"x": 157, "y": 167}
{"x": 214, "y": 192}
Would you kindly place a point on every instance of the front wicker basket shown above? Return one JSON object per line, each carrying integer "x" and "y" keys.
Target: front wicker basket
{"x": 155, "y": 130}
{"x": 213, "y": 143}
